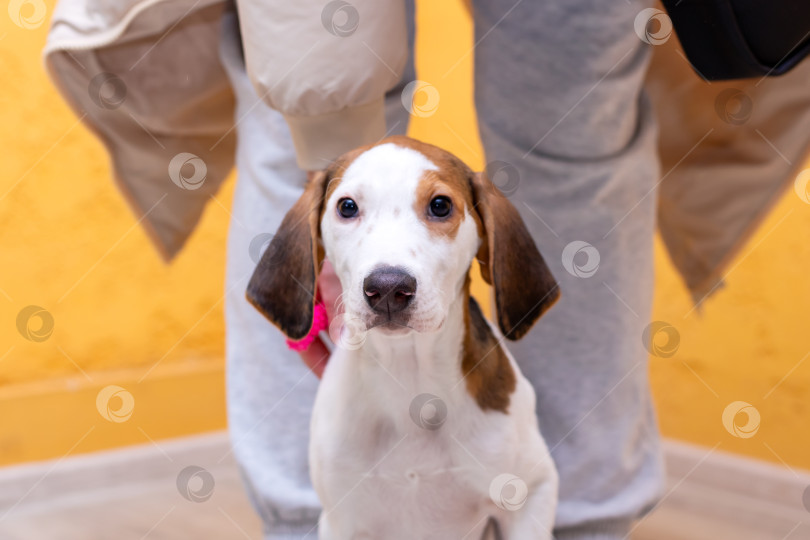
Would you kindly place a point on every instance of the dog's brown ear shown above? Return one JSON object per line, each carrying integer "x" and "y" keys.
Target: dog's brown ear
{"x": 283, "y": 285}
{"x": 510, "y": 262}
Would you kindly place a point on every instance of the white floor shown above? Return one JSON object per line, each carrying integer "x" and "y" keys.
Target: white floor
{"x": 133, "y": 494}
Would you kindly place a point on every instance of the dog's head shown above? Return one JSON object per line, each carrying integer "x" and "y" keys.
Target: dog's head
{"x": 401, "y": 222}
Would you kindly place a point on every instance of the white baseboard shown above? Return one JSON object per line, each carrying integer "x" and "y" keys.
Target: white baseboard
{"x": 745, "y": 493}
{"x": 721, "y": 496}
{"x": 39, "y": 484}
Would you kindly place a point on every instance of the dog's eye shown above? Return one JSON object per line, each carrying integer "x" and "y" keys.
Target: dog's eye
{"x": 347, "y": 207}
{"x": 440, "y": 206}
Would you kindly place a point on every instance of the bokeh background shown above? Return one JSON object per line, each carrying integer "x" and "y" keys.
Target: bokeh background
{"x": 69, "y": 245}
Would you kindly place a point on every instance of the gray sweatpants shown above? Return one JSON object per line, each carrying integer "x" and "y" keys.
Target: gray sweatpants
{"x": 563, "y": 117}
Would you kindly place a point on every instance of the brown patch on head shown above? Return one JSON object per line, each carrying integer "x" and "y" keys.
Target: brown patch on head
{"x": 452, "y": 180}
{"x": 489, "y": 375}
{"x": 338, "y": 169}
{"x": 431, "y": 185}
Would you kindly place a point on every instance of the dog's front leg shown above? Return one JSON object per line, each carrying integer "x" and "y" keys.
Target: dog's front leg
{"x": 535, "y": 519}
{"x": 324, "y": 532}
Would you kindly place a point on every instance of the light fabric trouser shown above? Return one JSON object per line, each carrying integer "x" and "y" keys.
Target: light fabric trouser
{"x": 563, "y": 117}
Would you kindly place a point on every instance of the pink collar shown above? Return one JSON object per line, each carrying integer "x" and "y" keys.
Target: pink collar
{"x": 320, "y": 321}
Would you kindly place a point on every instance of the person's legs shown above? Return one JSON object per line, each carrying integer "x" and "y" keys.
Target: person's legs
{"x": 560, "y": 106}
{"x": 270, "y": 391}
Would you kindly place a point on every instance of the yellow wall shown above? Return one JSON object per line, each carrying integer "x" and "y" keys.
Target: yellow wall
{"x": 69, "y": 245}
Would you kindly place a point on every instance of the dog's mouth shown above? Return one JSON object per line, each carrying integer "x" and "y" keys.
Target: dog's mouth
{"x": 391, "y": 325}
{"x": 403, "y": 325}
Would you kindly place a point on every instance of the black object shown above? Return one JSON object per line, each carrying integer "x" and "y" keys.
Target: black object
{"x": 736, "y": 39}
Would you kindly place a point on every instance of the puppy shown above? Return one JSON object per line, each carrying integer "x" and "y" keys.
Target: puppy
{"x": 423, "y": 425}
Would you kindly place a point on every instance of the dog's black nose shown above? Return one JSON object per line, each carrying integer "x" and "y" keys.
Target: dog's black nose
{"x": 389, "y": 289}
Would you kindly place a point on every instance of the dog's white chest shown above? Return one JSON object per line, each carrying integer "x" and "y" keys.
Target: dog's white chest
{"x": 384, "y": 471}
{"x": 406, "y": 492}
{"x": 398, "y": 481}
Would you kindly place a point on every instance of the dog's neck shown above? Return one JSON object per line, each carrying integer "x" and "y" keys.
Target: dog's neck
{"x": 463, "y": 358}
{"x": 423, "y": 356}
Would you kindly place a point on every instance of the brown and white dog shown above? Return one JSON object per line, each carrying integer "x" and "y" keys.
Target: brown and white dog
{"x": 423, "y": 425}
